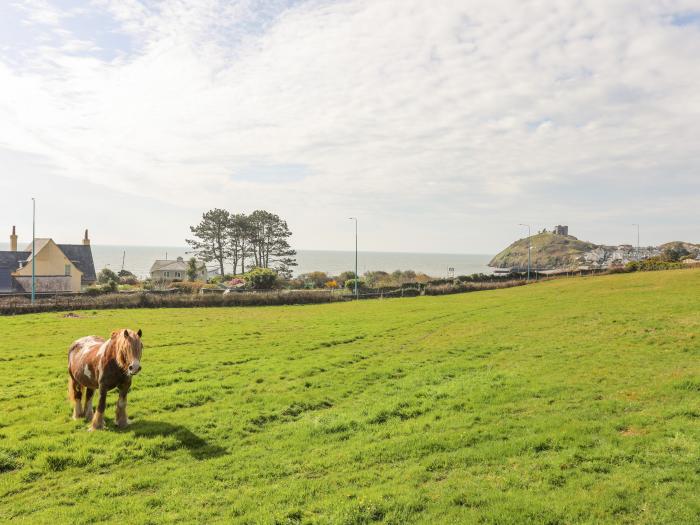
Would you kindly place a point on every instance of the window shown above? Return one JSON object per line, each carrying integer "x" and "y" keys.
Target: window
{"x": 67, "y": 270}
{"x": 166, "y": 274}
{"x": 177, "y": 275}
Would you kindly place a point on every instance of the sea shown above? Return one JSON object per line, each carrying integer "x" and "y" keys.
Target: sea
{"x": 138, "y": 260}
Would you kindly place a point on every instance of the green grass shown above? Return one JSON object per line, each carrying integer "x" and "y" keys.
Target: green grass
{"x": 571, "y": 401}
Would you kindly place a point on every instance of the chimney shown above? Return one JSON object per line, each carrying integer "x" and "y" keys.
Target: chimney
{"x": 86, "y": 240}
{"x": 13, "y": 240}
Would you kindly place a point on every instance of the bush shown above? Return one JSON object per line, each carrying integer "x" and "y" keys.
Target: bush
{"x": 128, "y": 279}
{"x": 107, "y": 275}
{"x": 315, "y": 279}
{"x": 188, "y": 286}
{"x": 344, "y": 277}
{"x": 100, "y": 289}
{"x": 261, "y": 279}
{"x": 350, "y": 284}
{"x": 652, "y": 264}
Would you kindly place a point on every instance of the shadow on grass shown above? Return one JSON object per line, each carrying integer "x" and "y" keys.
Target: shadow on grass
{"x": 195, "y": 445}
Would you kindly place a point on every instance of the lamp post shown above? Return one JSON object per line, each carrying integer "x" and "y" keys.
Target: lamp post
{"x": 529, "y": 249}
{"x": 33, "y": 250}
{"x": 637, "y": 225}
{"x": 357, "y": 277}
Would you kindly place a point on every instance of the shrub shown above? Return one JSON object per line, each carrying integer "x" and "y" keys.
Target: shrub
{"x": 344, "y": 277}
{"x": 332, "y": 284}
{"x": 261, "y": 279}
{"x": 128, "y": 279}
{"x": 350, "y": 284}
{"x": 652, "y": 264}
{"x": 107, "y": 275}
{"x": 188, "y": 286}
{"x": 315, "y": 279}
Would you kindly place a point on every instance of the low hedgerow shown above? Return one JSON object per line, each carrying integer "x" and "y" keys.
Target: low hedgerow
{"x": 445, "y": 289}
{"x": 21, "y": 305}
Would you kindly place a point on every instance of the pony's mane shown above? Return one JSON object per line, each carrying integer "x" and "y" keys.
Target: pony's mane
{"x": 124, "y": 347}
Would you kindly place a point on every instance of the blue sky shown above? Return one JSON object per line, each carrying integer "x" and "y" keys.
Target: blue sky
{"x": 441, "y": 125}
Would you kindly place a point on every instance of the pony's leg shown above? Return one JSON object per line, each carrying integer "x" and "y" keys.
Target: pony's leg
{"x": 122, "y": 420}
{"x": 75, "y": 393}
{"x": 98, "y": 420}
{"x": 89, "y": 392}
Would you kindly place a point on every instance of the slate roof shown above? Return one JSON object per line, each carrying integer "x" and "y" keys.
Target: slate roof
{"x": 9, "y": 262}
{"x": 12, "y": 259}
{"x": 81, "y": 256}
{"x": 178, "y": 265}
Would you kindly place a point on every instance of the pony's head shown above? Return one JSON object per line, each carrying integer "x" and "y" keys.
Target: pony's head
{"x": 128, "y": 350}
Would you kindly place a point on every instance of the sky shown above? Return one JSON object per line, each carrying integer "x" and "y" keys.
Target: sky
{"x": 441, "y": 125}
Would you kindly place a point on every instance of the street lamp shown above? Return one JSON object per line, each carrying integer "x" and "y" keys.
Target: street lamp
{"x": 637, "y": 225}
{"x": 528, "y": 249}
{"x": 357, "y": 277}
{"x": 33, "y": 250}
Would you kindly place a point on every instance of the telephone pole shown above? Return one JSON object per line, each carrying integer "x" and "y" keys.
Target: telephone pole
{"x": 33, "y": 250}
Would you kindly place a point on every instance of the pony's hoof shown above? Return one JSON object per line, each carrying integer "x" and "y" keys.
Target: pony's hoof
{"x": 124, "y": 424}
{"x": 92, "y": 428}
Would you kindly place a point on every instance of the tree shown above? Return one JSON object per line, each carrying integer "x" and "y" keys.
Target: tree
{"x": 240, "y": 233}
{"x": 211, "y": 242}
{"x": 192, "y": 269}
{"x": 269, "y": 244}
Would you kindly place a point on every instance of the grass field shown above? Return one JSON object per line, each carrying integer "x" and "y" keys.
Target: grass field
{"x": 571, "y": 401}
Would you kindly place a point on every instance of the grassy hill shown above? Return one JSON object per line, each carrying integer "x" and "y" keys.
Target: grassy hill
{"x": 570, "y": 401}
{"x": 691, "y": 248}
{"x": 548, "y": 251}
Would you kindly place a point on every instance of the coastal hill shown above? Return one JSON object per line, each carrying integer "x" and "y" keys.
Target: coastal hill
{"x": 558, "y": 250}
{"x": 549, "y": 250}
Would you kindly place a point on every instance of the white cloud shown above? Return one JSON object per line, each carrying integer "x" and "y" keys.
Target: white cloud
{"x": 448, "y": 122}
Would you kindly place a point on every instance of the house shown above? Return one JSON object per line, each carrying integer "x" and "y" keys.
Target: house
{"x": 58, "y": 268}
{"x": 164, "y": 270}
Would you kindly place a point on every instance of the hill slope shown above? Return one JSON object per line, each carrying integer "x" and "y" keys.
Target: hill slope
{"x": 571, "y": 401}
{"x": 549, "y": 250}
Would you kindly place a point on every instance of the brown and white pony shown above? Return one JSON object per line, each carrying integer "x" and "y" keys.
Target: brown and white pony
{"x": 96, "y": 364}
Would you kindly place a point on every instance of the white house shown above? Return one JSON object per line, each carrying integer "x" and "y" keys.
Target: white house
{"x": 176, "y": 270}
